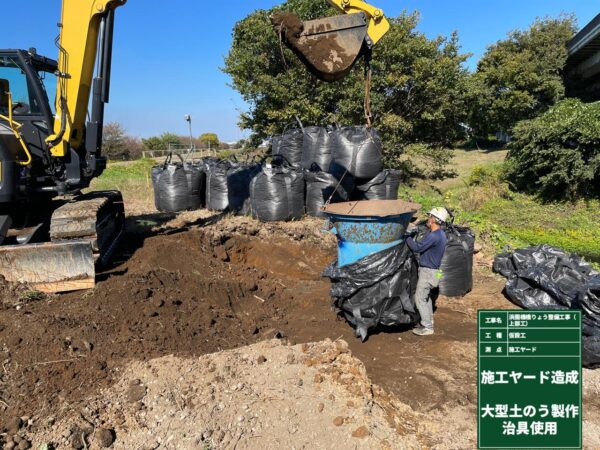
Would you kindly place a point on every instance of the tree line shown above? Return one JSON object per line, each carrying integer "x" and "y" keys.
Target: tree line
{"x": 118, "y": 145}
{"x": 424, "y": 98}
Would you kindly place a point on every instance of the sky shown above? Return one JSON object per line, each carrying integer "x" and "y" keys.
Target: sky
{"x": 167, "y": 54}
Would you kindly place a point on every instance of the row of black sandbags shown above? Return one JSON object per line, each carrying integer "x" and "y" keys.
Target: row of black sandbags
{"x": 270, "y": 192}
{"x": 546, "y": 277}
{"x": 355, "y": 150}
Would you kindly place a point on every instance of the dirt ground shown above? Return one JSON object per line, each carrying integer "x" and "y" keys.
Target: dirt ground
{"x": 183, "y": 293}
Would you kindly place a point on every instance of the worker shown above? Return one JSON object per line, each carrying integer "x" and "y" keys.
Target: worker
{"x": 431, "y": 250}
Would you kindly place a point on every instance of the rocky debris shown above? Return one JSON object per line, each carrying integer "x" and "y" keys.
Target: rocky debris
{"x": 229, "y": 399}
{"x": 136, "y": 392}
{"x": 13, "y": 425}
{"x": 105, "y": 437}
{"x": 360, "y": 432}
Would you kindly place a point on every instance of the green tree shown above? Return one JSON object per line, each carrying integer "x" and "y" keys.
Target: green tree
{"x": 209, "y": 140}
{"x": 557, "y": 155}
{"x": 521, "y": 76}
{"x": 418, "y": 92}
{"x": 114, "y": 144}
{"x": 170, "y": 139}
{"x": 153, "y": 143}
{"x": 161, "y": 142}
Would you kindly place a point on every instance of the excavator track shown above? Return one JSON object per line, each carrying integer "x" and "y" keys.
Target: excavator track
{"x": 98, "y": 217}
{"x": 84, "y": 232}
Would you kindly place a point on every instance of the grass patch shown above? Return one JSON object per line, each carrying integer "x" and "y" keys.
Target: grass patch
{"x": 504, "y": 219}
{"x": 133, "y": 180}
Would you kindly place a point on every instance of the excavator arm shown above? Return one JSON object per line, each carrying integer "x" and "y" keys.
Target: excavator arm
{"x": 330, "y": 46}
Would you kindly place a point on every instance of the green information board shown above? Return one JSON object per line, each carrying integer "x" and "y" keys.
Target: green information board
{"x": 529, "y": 369}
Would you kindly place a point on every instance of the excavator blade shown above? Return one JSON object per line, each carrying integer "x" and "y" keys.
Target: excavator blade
{"x": 329, "y": 47}
{"x": 50, "y": 267}
{"x": 83, "y": 232}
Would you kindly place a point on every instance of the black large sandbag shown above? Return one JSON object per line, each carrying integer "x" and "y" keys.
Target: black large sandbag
{"x": 317, "y": 148}
{"x": 289, "y": 146}
{"x": 526, "y": 294}
{"x": 322, "y": 187}
{"x": 590, "y": 351}
{"x": 376, "y": 290}
{"x": 383, "y": 187}
{"x": 457, "y": 263}
{"x": 238, "y": 187}
{"x": 217, "y": 195}
{"x": 177, "y": 187}
{"x": 545, "y": 277}
{"x": 562, "y": 276}
{"x": 275, "y": 140}
{"x": 357, "y": 150}
{"x": 154, "y": 175}
{"x": 588, "y": 301}
{"x": 196, "y": 180}
{"x": 277, "y": 194}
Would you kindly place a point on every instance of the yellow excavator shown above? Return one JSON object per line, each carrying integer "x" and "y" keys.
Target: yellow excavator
{"x": 330, "y": 46}
{"x": 51, "y": 234}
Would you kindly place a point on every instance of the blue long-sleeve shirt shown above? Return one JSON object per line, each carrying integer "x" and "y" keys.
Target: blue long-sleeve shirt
{"x": 431, "y": 248}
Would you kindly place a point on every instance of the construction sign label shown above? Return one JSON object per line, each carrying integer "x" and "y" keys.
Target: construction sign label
{"x": 529, "y": 369}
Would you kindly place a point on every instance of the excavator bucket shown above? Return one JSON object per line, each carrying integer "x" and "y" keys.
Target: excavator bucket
{"x": 329, "y": 47}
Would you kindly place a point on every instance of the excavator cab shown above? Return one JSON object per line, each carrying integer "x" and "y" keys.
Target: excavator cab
{"x": 330, "y": 46}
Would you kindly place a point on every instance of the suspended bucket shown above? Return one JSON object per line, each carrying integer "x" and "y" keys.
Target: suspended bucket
{"x": 366, "y": 227}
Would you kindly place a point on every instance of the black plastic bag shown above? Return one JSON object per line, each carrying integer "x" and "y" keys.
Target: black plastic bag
{"x": 317, "y": 148}
{"x": 383, "y": 187}
{"x": 322, "y": 187}
{"x": 358, "y": 151}
{"x": 277, "y": 194}
{"x": 589, "y": 303}
{"x": 177, "y": 187}
{"x": 289, "y": 146}
{"x": 545, "y": 277}
{"x": 238, "y": 187}
{"x": 591, "y": 351}
{"x": 217, "y": 195}
{"x": 564, "y": 277}
{"x": 376, "y": 290}
{"x": 457, "y": 263}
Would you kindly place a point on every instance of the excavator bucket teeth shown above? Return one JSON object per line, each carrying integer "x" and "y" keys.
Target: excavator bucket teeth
{"x": 329, "y": 47}
{"x": 50, "y": 267}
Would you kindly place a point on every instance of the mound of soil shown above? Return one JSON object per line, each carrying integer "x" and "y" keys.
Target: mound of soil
{"x": 190, "y": 293}
{"x": 219, "y": 283}
{"x": 307, "y": 396}
{"x": 289, "y": 24}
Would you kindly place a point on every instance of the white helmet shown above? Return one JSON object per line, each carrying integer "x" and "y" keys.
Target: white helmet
{"x": 440, "y": 214}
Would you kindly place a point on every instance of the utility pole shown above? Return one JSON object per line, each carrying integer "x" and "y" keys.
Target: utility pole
{"x": 188, "y": 119}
